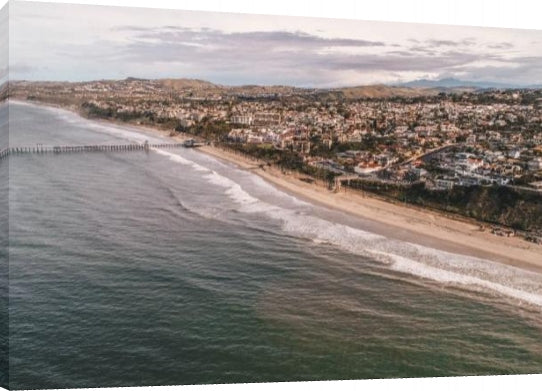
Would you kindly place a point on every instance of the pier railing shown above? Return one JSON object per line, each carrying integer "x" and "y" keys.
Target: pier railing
{"x": 42, "y": 149}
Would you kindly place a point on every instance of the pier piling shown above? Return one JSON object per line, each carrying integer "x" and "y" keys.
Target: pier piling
{"x": 58, "y": 149}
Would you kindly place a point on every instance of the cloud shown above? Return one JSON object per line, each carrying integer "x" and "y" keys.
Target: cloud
{"x": 501, "y": 45}
{"x": 22, "y": 68}
{"x": 303, "y": 59}
{"x": 237, "y": 49}
{"x": 295, "y": 39}
{"x": 443, "y": 42}
{"x": 4, "y": 73}
{"x": 522, "y": 71}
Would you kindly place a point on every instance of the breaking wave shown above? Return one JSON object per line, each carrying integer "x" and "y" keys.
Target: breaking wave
{"x": 404, "y": 257}
{"x": 297, "y": 220}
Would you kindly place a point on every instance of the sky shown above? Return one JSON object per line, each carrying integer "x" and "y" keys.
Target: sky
{"x": 78, "y": 42}
{"x": 4, "y": 45}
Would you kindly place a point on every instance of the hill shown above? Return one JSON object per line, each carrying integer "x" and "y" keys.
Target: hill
{"x": 448, "y": 83}
{"x": 181, "y": 84}
{"x": 384, "y": 91}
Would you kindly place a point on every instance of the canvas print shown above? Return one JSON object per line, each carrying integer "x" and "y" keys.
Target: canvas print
{"x": 195, "y": 198}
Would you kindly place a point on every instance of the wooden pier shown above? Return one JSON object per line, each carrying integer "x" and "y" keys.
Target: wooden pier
{"x": 42, "y": 149}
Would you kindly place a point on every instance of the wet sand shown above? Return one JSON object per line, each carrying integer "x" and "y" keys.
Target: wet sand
{"x": 412, "y": 224}
{"x": 394, "y": 220}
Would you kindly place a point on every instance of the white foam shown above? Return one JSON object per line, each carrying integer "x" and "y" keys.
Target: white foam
{"x": 181, "y": 160}
{"x": 270, "y": 189}
{"x": 421, "y": 261}
{"x": 124, "y": 132}
{"x": 406, "y": 265}
{"x": 233, "y": 189}
{"x": 404, "y": 257}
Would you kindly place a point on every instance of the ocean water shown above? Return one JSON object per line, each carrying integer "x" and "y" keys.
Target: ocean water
{"x": 4, "y": 238}
{"x": 170, "y": 267}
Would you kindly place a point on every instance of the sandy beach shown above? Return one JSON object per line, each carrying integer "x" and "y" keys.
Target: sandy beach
{"x": 398, "y": 221}
{"x": 413, "y": 224}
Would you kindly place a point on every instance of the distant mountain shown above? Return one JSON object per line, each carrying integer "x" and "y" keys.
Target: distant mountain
{"x": 456, "y": 83}
{"x": 384, "y": 91}
{"x": 179, "y": 84}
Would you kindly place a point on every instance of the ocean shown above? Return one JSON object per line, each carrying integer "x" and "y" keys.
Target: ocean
{"x": 170, "y": 267}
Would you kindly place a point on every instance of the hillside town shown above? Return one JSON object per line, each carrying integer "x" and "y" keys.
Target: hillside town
{"x": 440, "y": 138}
{"x": 444, "y": 139}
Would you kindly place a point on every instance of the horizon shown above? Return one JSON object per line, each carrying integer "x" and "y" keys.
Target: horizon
{"x": 81, "y": 43}
{"x": 411, "y": 84}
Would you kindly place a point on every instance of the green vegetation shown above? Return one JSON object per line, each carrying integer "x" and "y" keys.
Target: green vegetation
{"x": 506, "y": 137}
{"x": 517, "y": 209}
{"x": 211, "y": 130}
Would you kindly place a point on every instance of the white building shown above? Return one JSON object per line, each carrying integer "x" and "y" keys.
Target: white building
{"x": 535, "y": 164}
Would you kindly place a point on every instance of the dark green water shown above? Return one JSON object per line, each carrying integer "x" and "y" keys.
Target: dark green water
{"x": 166, "y": 268}
{"x": 4, "y": 242}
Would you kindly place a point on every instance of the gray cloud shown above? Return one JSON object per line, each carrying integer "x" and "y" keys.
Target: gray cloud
{"x": 521, "y": 70}
{"x": 432, "y": 46}
{"x": 22, "y": 68}
{"x": 502, "y": 45}
{"x": 297, "y": 57}
{"x": 246, "y": 39}
{"x": 423, "y": 49}
{"x": 400, "y": 63}
{"x": 276, "y": 57}
{"x": 439, "y": 43}
{"x": 443, "y": 42}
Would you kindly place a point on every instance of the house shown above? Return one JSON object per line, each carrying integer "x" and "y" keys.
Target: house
{"x": 535, "y": 164}
{"x": 242, "y": 120}
{"x": 444, "y": 184}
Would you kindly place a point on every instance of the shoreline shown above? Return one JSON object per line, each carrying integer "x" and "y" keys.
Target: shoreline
{"x": 77, "y": 111}
{"x": 404, "y": 222}
{"x": 426, "y": 228}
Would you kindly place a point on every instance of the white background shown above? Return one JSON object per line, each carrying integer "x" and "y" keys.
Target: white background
{"x": 494, "y": 13}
